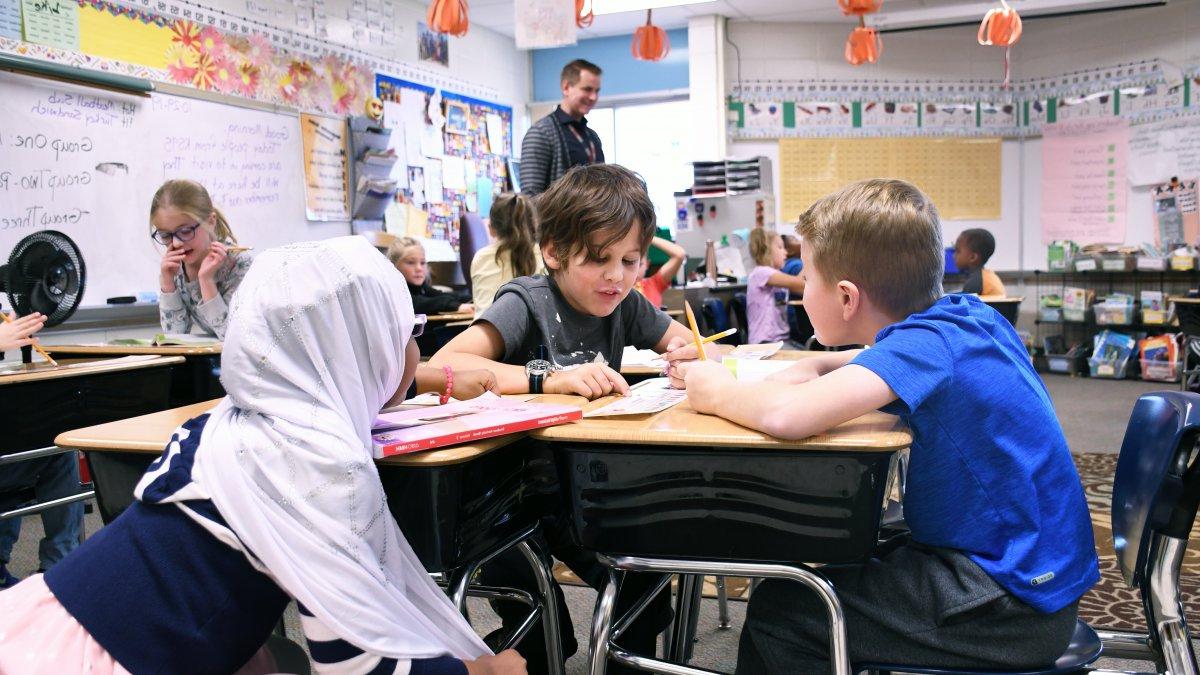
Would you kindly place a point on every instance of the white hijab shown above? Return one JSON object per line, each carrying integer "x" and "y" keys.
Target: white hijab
{"x": 315, "y": 347}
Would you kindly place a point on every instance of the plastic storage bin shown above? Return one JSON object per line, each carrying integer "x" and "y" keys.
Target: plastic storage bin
{"x": 1114, "y": 315}
{"x": 1154, "y": 317}
{"x": 1109, "y": 369}
{"x": 1160, "y": 371}
{"x": 1050, "y": 314}
{"x": 1067, "y": 364}
{"x": 1073, "y": 314}
{"x": 1116, "y": 263}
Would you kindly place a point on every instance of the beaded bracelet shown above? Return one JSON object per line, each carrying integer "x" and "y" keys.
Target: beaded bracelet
{"x": 445, "y": 397}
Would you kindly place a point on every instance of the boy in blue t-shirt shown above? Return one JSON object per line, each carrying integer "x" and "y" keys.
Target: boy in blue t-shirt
{"x": 1001, "y": 542}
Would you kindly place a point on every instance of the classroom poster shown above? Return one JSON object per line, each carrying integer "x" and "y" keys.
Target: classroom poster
{"x": 54, "y": 23}
{"x": 544, "y": 23}
{"x": 10, "y": 19}
{"x": 889, "y": 114}
{"x": 326, "y": 170}
{"x": 1160, "y": 150}
{"x": 1084, "y": 163}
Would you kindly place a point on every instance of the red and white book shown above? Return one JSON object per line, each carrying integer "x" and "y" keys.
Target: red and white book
{"x": 398, "y": 433}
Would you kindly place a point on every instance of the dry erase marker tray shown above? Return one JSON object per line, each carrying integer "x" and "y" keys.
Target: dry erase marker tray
{"x": 724, "y": 504}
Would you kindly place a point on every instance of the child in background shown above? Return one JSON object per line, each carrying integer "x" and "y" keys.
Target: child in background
{"x": 654, "y": 282}
{"x": 198, "y": 275}
{"x": 513, "y": 252}
{"x": 1001, "y": 542}
{"x": 767, "y": 290}
{"x": 270, "y": 496}
{"x": 408, "y": 255}
{"x": 794, "y": 263}
{"x": 972, "y": 250}
{"x": 596, "y": 225}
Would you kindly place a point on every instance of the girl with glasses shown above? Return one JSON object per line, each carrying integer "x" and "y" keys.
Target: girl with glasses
{"x": 199, "y": 272}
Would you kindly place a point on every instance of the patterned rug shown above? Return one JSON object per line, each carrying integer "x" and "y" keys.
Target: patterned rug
{"x": 1110, "y": 604}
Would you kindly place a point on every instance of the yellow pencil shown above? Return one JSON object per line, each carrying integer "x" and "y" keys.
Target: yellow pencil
{"x": 238, "y": 249}
{"x": 718, "y": 336}
{"x": 35, "y": 345}
{"x": 687, "y": 309}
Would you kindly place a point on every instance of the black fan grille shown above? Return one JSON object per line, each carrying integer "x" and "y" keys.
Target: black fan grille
{"x": 45, "y": 273}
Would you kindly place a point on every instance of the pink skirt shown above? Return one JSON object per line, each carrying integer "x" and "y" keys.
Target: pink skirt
{"x": 39, "y": 637}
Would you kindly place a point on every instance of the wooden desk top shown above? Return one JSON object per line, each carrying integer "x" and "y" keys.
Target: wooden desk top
{"x": 125, "y": 350}
{"x": 450, "y": 316}
{"x": 40, "y": 371}
{"x": 682, "y": 426}
{"x": 989, "y": 299}
{"x": 148, "y": 434}
{"x": 796, "y": 303}
{"x": 781, "y": 355}
{"x": 1186, "y": 301}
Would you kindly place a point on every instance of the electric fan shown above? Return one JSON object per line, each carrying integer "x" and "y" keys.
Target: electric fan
{"x": 45, "y": 273}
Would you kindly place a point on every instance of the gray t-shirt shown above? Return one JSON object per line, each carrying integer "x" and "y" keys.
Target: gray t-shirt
{"x": 531, "y": 311}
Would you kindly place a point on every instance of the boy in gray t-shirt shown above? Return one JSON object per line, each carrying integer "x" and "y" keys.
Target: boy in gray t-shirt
{"x": 596, "y": 225}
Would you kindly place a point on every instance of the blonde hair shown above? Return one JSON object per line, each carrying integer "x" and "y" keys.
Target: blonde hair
{"x": 761, "y": 240}
{"x": 885, "y": 236}
{"x": 515, "y": 222}
{"x": 192, "y": 199}
{"x": 397, "y": 249}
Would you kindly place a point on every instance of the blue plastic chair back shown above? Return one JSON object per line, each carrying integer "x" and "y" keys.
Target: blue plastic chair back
{"x": 739, "y": 314}
{"x": 1154, "y": 488}
{"x": 715, "y": 315}
{"x": 472, "y": 236}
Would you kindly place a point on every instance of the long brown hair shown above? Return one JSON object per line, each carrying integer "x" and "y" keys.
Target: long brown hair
{"x": 191, "y": 198}
{"x": 514, "y": 220}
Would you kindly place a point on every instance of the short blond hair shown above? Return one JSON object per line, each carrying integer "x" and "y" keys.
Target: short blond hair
{"x": 885, "y": 236}
{"x": 760, "y": 245}
{"x": 399, "y": 247}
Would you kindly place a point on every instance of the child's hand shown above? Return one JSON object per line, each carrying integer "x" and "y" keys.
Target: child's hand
{"x": 466, "y": 307}
{"x": 212, "y": 262}
{"x": 707, "y": 382}
{"x": 683, "y": 349}
{"x": 169, "y": 267}
{"x": 469, "y": 384}
{"x": 16, "y": 334}
{"x": 507, "y": 662}
{"x": 591, "y": 380}
{"x": 804, "y": 371}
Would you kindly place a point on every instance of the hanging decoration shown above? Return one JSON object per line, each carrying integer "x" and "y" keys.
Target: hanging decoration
{"x": 448, "y": 16}
{"x": 1001, "y": 28}
{"x": 864, "y": 44}
{"x": 650, "y": 43}
{"x": 583, "y": 13}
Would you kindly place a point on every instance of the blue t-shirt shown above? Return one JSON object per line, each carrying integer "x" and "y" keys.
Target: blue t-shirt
{"x": 989, "y": 470}
{"x": 793, "y": 266}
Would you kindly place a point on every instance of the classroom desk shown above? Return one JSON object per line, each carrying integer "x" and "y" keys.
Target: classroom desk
{"x": 40, "y": 400}
{"x": 1008, "y": 307}
{"x": 450, "y": 316}
{"x": 795, "y": 303}
{"x": 198, "y": 378}
{"x": 684, "y": 493}
{"x": 457, "y": 506}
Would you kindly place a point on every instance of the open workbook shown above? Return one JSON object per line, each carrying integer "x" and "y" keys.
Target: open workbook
{"x": 397, "y": 433}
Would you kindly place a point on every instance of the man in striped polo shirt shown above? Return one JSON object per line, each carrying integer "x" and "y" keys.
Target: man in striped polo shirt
{"x": 562, "y": 139}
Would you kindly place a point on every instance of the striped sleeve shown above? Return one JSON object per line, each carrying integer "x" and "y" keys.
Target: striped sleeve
{"x": 537, "y": 154}
{"x": 332, "y": 655}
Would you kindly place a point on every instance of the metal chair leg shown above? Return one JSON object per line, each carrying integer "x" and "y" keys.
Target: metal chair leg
{"x": 602, "y": 621}
{"x": 676, "y": 650}
{"x": 550, "y": 627}
{"x": 722, "y": 605}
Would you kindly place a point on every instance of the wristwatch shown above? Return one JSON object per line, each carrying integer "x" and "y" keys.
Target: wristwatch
{"x": 538, "y": 370}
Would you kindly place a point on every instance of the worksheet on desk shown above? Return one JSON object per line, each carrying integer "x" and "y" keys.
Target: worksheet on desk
{"x": 645, "y": 397}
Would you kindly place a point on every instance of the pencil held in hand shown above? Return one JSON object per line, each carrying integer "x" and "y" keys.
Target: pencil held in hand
{"x": 238, "y": 249}
{"x": 691, "y": 318}
{"x": 713, "y": 338}
{"x": 25, "y": 327}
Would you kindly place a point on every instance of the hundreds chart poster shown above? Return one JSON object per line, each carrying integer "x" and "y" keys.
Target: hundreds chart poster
{"x": 1083, "y": 180}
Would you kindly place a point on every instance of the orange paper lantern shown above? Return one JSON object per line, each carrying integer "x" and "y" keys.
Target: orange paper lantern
{"x": 1001, "y": 28}
{"x": 859, "y": 7}
{"x": 448, "y": 16}
{"x": 650, "y": 43}
{"x": 863, "y": 46}
{"x": 583, "y": 13}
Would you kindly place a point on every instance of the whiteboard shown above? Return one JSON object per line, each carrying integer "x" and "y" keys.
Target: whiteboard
{"x": 86, "y": 162}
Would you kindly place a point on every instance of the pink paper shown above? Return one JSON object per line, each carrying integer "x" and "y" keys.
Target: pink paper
{"x": 1083, "y": 180}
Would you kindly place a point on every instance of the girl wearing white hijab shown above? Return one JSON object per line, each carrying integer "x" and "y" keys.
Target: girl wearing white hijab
{"x": 270, "y": 496}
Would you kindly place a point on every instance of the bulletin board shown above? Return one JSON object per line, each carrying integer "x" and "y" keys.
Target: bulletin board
{"x": 961, "y": 175}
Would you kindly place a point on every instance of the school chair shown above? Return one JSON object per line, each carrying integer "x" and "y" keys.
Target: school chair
{"x": 1009, "y": 308}
{"x": 1156, "y": 492}
{"x": 472, "y": 236}
{"x": 717, "y": 318}
{"x": 738, "y": 303}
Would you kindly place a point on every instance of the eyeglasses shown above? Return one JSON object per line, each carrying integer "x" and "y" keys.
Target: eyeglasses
{"x": 185, "y": 233}
{"x": 419, "y": 321}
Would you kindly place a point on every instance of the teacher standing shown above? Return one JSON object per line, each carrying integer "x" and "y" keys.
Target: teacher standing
{"x": 563, "y": 139}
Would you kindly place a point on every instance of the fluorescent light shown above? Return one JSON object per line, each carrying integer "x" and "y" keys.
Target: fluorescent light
{"x": 618, "y": 6}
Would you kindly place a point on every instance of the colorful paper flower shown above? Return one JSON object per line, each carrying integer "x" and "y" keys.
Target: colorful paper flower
{"x": 212, "y": 41}
{"x": 248, "y": 78}
{"x": 185, "y": 33}
{"x": 181, "y": 63}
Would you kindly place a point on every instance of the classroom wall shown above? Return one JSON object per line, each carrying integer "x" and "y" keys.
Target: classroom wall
{"x": 794, "y": 51}
{"x": 623, "y": 75}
